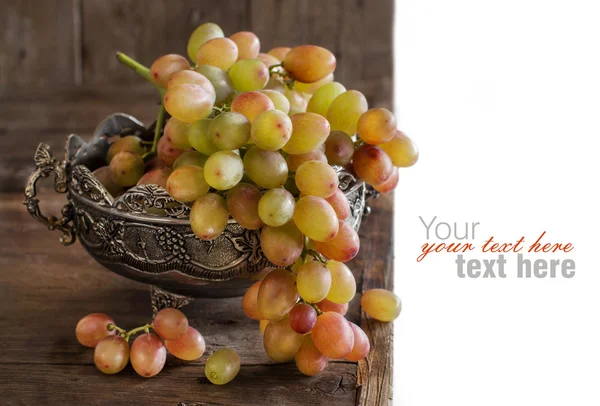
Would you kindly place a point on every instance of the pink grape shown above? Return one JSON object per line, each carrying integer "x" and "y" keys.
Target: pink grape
{"x": 339, "y": 148}
{"x": 242, "y": 203}
{"x": 372, "y": 164}
{"x": 294, "y": 161}
{"x": 148, "y": 355}
{"x": 93, "y": 328}
{"x": 189, "y": 347}
{"x": 343, "y": 247}
{"x": 282, "y": 245}
{"x": 250, "y": 302}
{"x": 361, "y": 344}
{"x": 389, "y": 184}
{"x": 309, "y": 360}
{"x": 303, "y": 318}
{"x": 328, "y": 306}
{"x": 111, "y": 354}
{"x": 170, "y": 323}
{"x": 340, "y": 204}
{"x": 333, "y": 335}
{"x": 248, "y": 44}
{"x": 166, "y": 152}
{"x": 277, "y": 294}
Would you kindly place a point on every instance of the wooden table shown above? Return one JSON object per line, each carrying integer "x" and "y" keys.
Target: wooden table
{"x": 46, "y": 288}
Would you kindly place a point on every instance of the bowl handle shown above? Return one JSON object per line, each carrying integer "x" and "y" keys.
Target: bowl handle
{"x": 45, "y": 165}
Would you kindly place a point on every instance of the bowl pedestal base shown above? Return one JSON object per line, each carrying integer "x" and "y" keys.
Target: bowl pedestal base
{"x": 162, "y": 299}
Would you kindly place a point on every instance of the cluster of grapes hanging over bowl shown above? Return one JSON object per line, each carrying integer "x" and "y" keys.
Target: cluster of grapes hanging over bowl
{"x": 258, "y": 136}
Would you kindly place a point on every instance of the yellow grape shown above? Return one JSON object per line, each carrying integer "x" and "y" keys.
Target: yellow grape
{"x": 219, "y": 52}
{"x": 276, "y": 207}
{"x": 372, "y": 164}
{"x": 203, "y": 33}
{"x": 389, "y": 184}
{"x": 282, "y": 245}
{"x": 126, "y": 168}
{"x": 111, "y": 354}
{"x": 294, "y": 161}
{"x": 316, "y": 218}
{"x": 148, "y": 355}
{"x": 188, "y": 103}
{"x": 223, "y": 170}
{"x": 298, "y": 102}
{"x": 189, "y": 347}
{"x": 309, "y": 131}
{"x": 199, "y": 138}
{"x": 316, "y": 178}
{"x": 309, "y": 63}
{"x": 166, "y": 152}
{"x": 333, "y": 335}
{"x": 277, "y": 294}
{"x": 281, "y": 341}
{"x": 248, "y": 75}
{"x": 262, "y": 325}
{"x": 343, "y": 284}
{"x": 130, "y": 143}
{"x": 209, "y": 216}
{"x": 112, "y": 187}
{"x": 187, "y": 183}
{"x": 247, "y": 43}
{"x": 194, "y": 78}
{"x": 381, "y": 304}
{"x": 314, "y": 281}
{"x": 339, "y": 148}
{"x": 340, "y": 204}
{"x": 220, "y": 81}
{"x": 250, "y": 302}
{"x": 343, "y": 247}
{"x": 376, "y": 126}
{"x": 222, "y": 366}
{"x": 267, "y": 169}
{"x": 271, "y": 130}
{"x": 268, "y": 60}
{"x": 311, "y": 88}
{"x": 321, "y": 100}
{"x": 170, "y": 323}
{"x": 162, "y": 68}
{"x": 190, "y": 158}
{"x": 229, "y": 131}
{"x": 242, "y": 202}
{"x": 279, "y": 52}
{"x": 401, "y": 149}
{"x": 361, "y": 346}
{"x": 251, "y": 104}
{"x": 345, "y": 111}
{"x": 280, "y": 102}
{"x": 309, "y": 359}
{"x": 91, "y": 329}
{"x": 176, "y": 132}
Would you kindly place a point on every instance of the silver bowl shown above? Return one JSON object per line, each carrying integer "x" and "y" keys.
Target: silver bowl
{"x": 144, "y": 234}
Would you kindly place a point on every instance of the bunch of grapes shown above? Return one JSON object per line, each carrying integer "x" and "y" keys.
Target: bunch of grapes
{"x": 148, "y": 352}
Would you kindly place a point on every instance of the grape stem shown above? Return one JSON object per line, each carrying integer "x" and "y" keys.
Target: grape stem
{"x": 317, "y": 256}
{"x": 160, "y": 121}
{"x": 313, "y": 305}
{"x": 140, "y": 70}
{"x": 127, "y": 334}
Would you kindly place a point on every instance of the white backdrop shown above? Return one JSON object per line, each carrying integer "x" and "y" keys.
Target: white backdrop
{"x": 503, "y": 99}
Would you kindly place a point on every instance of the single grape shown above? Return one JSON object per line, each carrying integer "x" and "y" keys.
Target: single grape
{"x": 229, "y": 131}
{"x": 186, "y": 184}
{"x": 281, "y": 341}
{"x": 282, "y": 245}
{"x": 130, "y": 143}
{"x": 170, "y": 323}
{"x": 267, "y": 169}
{"x": 345, "y": 111}
{"x": 333, "y": 335}
{"x": 309, "y": 359}
{"x": 219, "y": 52}
{"x": 242, "y": 203}
{"x": 262, "y": 325}
{"x": 328, "y": 306}
{"x": 250, "y": 302}
{"x": 248, "y": 75}
{"x": 316, "y": 178}
{"x": 189, "y": 346}
{"x": 298, "y": 102}
{"x": 279, "y": 52}
{"x": 251, "y": 104}
{"x": 339, "y": 148}
{"x": 220, "y": 81}
{"x": 361, "y": 346}
{"x": 303, "y": 318}
{"x": 223, "y": 170}
{"x": 389, "y": 184}
{"x": 372, "y": 164}
{"x": 321, "y": 100}
{"x": 111, "y": 354}
{"x": 309, "y": 131}
{"x": 199, "y": 138}
{"x": 93, "y": 328}
{"x": 316, "y": 218}
{"x": 176, "y": 132}
{"x": 343, "y": 247}
{"x": 222, "y": 366}
{"x": 402, "y": 150}
{"x": 271, "y": 130}
{"x": 188, "y": 103}
{"x": 165, "y": 66}
{"x": 193, "y": 78}
{"x": 280, "y": 102}
{"x": 103, "y": 175}
{"x": 190, "y": 158}
{"x": 294, "y": 161}
{"x": 343, "y": 284}
{"x": 309, "y": 63}
{"x": 376, "y": 126}
{"x": 314, "y": 281}
{"x": 381, "y": 304}
{"x": 268, "y": 60}
{"x": 247, "y": 43}
{"x": 277, "y": 294}
{"x": 167, "y": 152}
{"x": 148, "y": 355}
{"x": 311, "y": 88}
{"x": 340, "y": 204}
{"x": 276, "y": 207}
{"x": 201, "y": 34}
{"x": 209, "y": 216}
{"x": 126, "y": 168}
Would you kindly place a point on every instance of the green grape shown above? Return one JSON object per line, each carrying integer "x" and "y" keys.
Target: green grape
{"x": 199, "y": 139}
{"x": 298, "y": 102}
{"x": 343, "y": 284}
{"x": 339, "y": 148}
{"x": 311, "y": 88}
{"x": 277, "y": 85}
{"x": 187, "y": 183}
{"x": 203, "y": 33}
{"x": 381, "y": 304}
{"x": 277, "y": 294}
{"x": 148, "y": 355}
{"x": 130, "y": 143}
{"x": 222, "y": 366}
{"x": 165, "y": 66}
{"x": 223, "y": 170}
{"x": 126, "y": 168}
{"x": 309, "y": 63}
{"x": 294, "y": 161}
{"x": 328, "y": 306}
{"x": 251, "y": 104}
{"x": 192, "y": 77}
{"x": 345, "y": 111}
{"x": 309, "y": 359}
{"x": 157, "y": 176}
{"x": 316, "y": 218}
{"x": 190, "y": 158}
{"x": 401, "y": 149}
{"x": 229, "y": 131}
{"x": 309, "y": 131}
{"x": 188, "y": 103}
{"x": 209, "y": 216}
{"x": 248, "y": 44}
{"x": 220, "y": 81}
{"x": 111, "y": 354}
{"x": 248, "y": 75}
{"x": 166, "y": 152}
{"x": 267, "y": 169}
{"x": 176, "y": 132}
{"x": 340, "y": 204}
{"x": 242, "y": 202}
{"x": 314, "y": 281}
{"x": 189, "y": 347}
{"x": 376, "y": 126}
{"x": 271, "y": 130}
{"x": 280, "y": 102}
{"x": 282, "y": 245}
{"x": 250, "y": 302}
{"x": 103, "y": 175}
{"x": 333, "y": 335}
{"x": 343, "y": 247}
{"x": 321, "y": 100}
{"x": 316, "y": 178}
{"x": 170, "y": 323}
{"x": 91, "y": 329}
{"x": 361, "y": 346}
{"x": 268, "y": 60}
{"x": 276, "y": 207}
{"x": 303, "y": 318}
{"x": 372, "y": 164}
{"x": 281, "y": 341}
{"x": 279, "y": 52}
{"x": 389, "y": 184}
{"x": 219, "y": 52}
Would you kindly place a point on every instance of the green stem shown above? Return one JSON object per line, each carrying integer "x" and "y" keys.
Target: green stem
{"x": 136, "y": 330}
{"x": 112, "y": 327}
{"x": 319, "y": 311}
{"x": 160, "y": 121}
{"x": 140, "y": 70}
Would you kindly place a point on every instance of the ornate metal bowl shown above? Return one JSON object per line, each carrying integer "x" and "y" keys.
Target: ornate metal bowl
{"x": 145, "y": 234}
